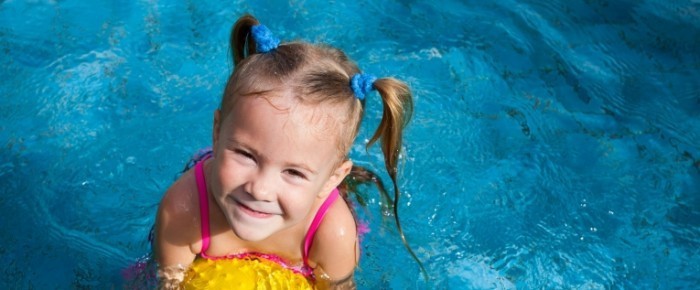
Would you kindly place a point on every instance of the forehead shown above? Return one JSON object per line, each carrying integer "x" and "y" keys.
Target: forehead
{"x": 279, "y": 119}
{"x": 315, "y": 119}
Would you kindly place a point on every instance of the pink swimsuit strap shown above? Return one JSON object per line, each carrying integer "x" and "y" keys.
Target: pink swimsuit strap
{"x": 206, "y": 234}
{"x": 203, "y": 204}
{"x": 309, "y": 239}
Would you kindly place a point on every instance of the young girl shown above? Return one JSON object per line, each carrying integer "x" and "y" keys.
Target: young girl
{"x": 269, "y": 188}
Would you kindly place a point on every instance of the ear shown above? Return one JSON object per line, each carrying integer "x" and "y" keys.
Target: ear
{"x": 336, "y": 178}
{"x": 217, "y": 127}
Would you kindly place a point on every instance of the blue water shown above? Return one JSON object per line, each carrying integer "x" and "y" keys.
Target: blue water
{"x": 554, "y": 143}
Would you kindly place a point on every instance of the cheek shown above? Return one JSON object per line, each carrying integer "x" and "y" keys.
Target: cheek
{"x": 227, "y": 174}
{"x": 297, "y": 204}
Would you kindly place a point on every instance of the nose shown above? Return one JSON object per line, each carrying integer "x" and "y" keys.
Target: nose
{"x": 261, "y": 186}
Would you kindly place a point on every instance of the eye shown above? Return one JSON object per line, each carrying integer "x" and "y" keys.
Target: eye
{"x": 244, "y": 155}
{"x": 296, "y": 173}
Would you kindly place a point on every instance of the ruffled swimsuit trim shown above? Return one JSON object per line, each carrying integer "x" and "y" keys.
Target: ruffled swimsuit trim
{"x": 304, "y": 270}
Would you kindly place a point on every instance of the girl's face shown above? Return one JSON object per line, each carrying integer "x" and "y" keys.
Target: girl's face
{"x": 273, "y": 159}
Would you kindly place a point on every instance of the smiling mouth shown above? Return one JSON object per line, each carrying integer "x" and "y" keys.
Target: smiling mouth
{"x": 252, "y": 212}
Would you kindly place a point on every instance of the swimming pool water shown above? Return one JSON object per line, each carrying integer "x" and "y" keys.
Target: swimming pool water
{"x": 554, "y": 143}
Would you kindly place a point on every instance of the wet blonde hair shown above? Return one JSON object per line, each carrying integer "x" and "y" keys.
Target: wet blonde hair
{"x": 319, "y": 74}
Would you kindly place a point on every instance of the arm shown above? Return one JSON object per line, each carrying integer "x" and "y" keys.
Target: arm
{"x": 347, "y": 283}
{"x": 176, "y": 230}
{"x": 336, "y": 249}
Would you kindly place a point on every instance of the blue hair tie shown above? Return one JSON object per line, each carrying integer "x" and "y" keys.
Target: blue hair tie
{"x": 362, "y": 84}
{"x": 264, "y": 40}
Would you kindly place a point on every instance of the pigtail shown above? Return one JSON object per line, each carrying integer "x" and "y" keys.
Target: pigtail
{"x": 397, "y": 111}
{"x": 398, "y": 108}
{"x": 242, "y": 42}
{"x": 360, "y": 176}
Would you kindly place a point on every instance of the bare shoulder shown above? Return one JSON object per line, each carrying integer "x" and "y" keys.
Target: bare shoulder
{"x": 177, "y": 222}
{"x": 181, "y": 198}
{"x": 335, "y": 249}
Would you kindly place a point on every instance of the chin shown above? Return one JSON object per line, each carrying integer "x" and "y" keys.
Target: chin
{"x": 249, "y": 234}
